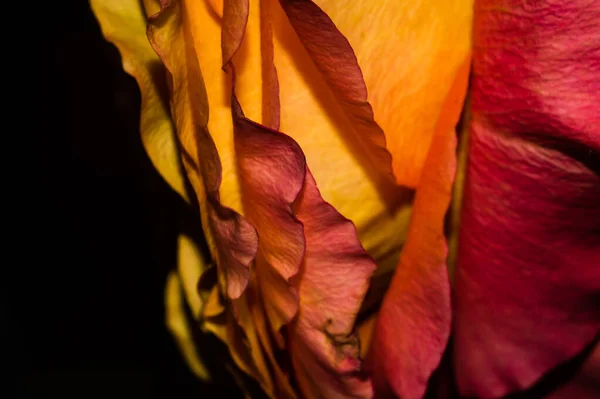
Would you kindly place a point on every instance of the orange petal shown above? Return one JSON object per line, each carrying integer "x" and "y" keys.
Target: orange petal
{"x": 311, "y": 116}
{"x": 414, "y": 319}
{"x": 333, "y": 56}
{"x": 409, "y": 53}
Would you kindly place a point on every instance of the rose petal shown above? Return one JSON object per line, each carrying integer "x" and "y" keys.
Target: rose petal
{"x": 272, "y": 169}
{"x": 585, "y": 384}
{"x": 231, "y": 239}
{"x": 311, "y": 116}
{"x": 271, "y": 104}
{"x": 528, "y": 276}
{"x": 123, "y": 24}
{"x": 414, "y": 319}
{"x": 233, "y": 27}
{"x": 190, "y": 266}
{"x": 332, "y": 284}
{"x": 320, "y": 339}
{"x": 283, "y": 388}
{"x": 333, "y": 56}
{"x": 242, "y": 341}
{"x": 409, "y": 53}
{"x": 177, "y": 324}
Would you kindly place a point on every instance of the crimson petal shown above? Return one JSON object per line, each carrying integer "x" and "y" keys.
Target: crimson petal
{"x": 528, "y": 279}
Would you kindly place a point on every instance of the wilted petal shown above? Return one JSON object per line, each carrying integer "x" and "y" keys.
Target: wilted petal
{"x": 332, "y": 284}
{"x": 333, "y": 56}
{"x": 528, "y": 278}
{"x": 282, "y": 384}
{"x": 324, "y": 352}
{"x": 231, "y": 239}
{"x": 409, "y": 53}
{"x": 272, "y": 169}
{"x": 123, "y": 24}
{"x": 311, "y": 116}
{"x": 240, "y": 337}
{"x": 414, "y": 320}
{"x": 323, "y": 349}
{"x": 305, "y": 97}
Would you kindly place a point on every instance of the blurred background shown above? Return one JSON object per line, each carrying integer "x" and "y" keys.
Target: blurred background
{"x": 95, "y": 227}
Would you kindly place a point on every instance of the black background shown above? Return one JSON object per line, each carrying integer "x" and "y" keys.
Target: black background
{"x": 92, "y": 227}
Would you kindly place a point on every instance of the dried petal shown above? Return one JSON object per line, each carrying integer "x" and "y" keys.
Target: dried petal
{"x": 272, "y": 169}
{"x": 321, "y": 340}
{"x": 311, "y": 116}
{"x": 332, "y": 284}
{"x": 231, "y": 239}
{"x": 333, "y": 56}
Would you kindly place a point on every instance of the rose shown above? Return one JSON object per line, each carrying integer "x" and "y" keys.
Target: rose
{"x": 293, "y": 272}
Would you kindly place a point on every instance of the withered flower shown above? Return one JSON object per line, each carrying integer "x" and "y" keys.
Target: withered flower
{"x": 320, "y": 140}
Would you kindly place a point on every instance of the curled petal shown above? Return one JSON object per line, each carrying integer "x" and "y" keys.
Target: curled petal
{"x": 311, "y": 115}
{"x": 409, "y": 53}
{"x": 235, "y": 19}
{"x": 332, "y": 284}
{"x": 335, "y": 268}
{"x": 124, "y": 25}
{"x": 333, "y": 56}
{"x": 414, "y": 320}
{"x": 272, "y": 168}
{"x": 528, "y": 279}
{"x": 232, "y": 240}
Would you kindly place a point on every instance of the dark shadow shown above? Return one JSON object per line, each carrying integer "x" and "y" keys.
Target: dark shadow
{"x": 442, "y": 384}
{"x": 97, "y": 233}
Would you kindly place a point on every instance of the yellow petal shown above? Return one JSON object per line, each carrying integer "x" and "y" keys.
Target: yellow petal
{"x": 178, "y": 325}
{"x": 409, "y": 52}
{"x": 123, "y": 24}
{"x": 190, "y": 266}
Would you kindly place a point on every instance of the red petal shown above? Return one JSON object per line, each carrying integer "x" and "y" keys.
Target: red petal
{"x": 333, "y": 56}
{"x": 528, "y": 279}
{"x": 414, "y": 320}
